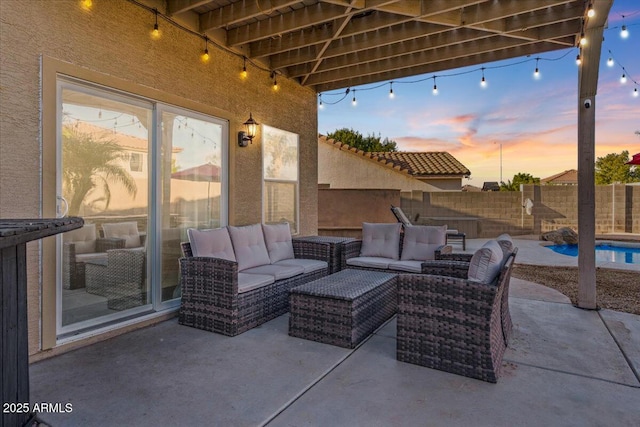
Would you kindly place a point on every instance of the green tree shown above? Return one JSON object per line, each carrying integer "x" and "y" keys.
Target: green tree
{"x": 519, "y": 178}
{"x": 612, "y": 168}
{"x": 369, "y": 144}
{"x": 91, "y": 163}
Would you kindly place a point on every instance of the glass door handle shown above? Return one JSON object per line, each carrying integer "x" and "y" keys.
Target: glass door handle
{"x": 66, "y": 207}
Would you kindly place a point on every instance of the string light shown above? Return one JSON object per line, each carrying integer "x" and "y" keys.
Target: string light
{"x": 205, "y": 54}
{"x": 275, "y": 81}
{"x": 86, "y": 4}
{"x": 590, "y": 11}
{"x": 624, "y": 33}
{"x": 623, "y": 79}
{"x": 156, "y": 30}
{"x": 635, "y": 92}
{"x": 578, "y": 60}
{"x": 391, "y": 95}
{"x": 353, "y": 101}
{"x": 243, "y": 74}
{"x": 320, "y": 101}
{"x": 483, "y": 82}
{"x": 435, "y": 87}
{"x": 536, "y": 73}
{"x": 610, "y": 62}
{"x": 583, "y": 39}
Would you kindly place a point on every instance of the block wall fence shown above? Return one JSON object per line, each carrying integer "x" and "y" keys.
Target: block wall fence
{"x": 481, "y": 214}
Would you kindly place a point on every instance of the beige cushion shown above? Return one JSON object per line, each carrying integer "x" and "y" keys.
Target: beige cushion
{"x": 214, "y": 243}
{"x": 369, "y": 262}
{"x": 278, "y": 240}
{"x": 421, "y": 242}
{"x": 309, "y": 265}
{"x": 410, "y": 266}
{"x": 486, "y": 263}
{"x": 123, "y": 230}
{"x": 84, "y": 238}
{"x": 380, "y": 240}
{"x": 278, "y": 271}
{"x": 249, "y": 246}
{"x": 248, "y": 282}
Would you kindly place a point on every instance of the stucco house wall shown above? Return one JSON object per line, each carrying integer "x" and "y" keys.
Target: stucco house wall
{"x": 110, "y": 44}
{"x": 343, "y": 169}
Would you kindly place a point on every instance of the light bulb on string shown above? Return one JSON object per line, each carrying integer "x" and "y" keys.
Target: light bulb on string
{"x": 391, "y": 95}
{"x": 320, "y": 106}
{"x": 590, "y": 11}
{"x": 536, "y": 73}
{"x": 353, "y": 101}
{"x": 635, "y": 92}
{"x": 578, "y": 60}
{"x": 205, "y": 54}
{"x": 86, "y": 4}
{"x": 156, "y": 30}
{"x": 624, "y": 33}
{"x": 435, "y": 87}
{"x": 623, "y": 79}
{"x": 243, "y": 73}
{"x": 275, "y": 81}
{"x": 610, "y": 62}
{"x": 483, "y": 81}
{"x": 583, "y": 39}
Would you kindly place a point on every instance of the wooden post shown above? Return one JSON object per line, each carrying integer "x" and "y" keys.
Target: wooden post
{"x": 587, "y": 88}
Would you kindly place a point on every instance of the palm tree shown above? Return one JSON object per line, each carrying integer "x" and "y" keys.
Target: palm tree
{"x": 92, "y": 163}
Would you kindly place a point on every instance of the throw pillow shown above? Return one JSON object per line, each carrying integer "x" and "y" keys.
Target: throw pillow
{"x": 214, "y": 243}
{"x": 506, "y": 244}
{"x": 278, "y": 240}
{"x": 380, "y": 240}
{"x": 486, "y": 263}
{"x": 421, "y": 241}
{"x": 249, "y": 246}
{"x": 123, "y": 230}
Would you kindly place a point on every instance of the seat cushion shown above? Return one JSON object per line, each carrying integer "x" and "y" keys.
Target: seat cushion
{"x": 309, "y": 265}
{"x": 214, "y": 243}
{"x": 278, "y": 271}
{"x": 277, "y": 237}
{"x": 410, "y": 266}
{"x": 84, "y": 238}
{"x": 95, "y": 256}
{"x": 381, "y": 240}
{"x": 486, "y": 263}
{"x": 420, "y": 242}
{"x": 248, "y": 282}
{"x": 249, "y": 246}
{"x": 124, "y": 230}
{"x": 370, "y": 262}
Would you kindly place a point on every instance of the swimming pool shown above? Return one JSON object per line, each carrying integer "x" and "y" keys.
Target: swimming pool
{"x": 620, "y": 252}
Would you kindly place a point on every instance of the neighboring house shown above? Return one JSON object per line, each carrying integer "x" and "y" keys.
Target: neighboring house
{"x": 490, "y": 186}
{"x": 568, "y": 177}
{"x": 471, "y": 188}
{"x": 342, "y": 166}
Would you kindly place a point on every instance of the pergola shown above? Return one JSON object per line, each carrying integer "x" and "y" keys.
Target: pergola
{"x": 334, "y": 44}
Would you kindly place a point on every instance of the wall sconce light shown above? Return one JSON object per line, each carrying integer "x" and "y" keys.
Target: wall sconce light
{"x": 244, "y": 137}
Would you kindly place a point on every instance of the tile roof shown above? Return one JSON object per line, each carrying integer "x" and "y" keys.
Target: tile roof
{"x": 427, "y": 163}
{"x": 567, "y": 177}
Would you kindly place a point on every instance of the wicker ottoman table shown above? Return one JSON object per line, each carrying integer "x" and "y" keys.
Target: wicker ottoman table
{"x": 343, "y": 308}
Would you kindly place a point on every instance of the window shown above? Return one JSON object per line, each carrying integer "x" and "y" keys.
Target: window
{"x": 280, "y": 177}
{"x": 135, "y": 162}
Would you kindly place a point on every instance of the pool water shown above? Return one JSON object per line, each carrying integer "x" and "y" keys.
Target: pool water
{"x": 604, "y": 252}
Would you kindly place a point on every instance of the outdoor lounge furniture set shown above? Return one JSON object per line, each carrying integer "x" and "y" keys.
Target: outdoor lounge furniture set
{"x": 452, "y": 309}
{"x": 113, "y": 266}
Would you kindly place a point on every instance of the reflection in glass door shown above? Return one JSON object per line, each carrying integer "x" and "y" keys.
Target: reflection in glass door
{"x": 193, "y": 185}
{"x": 103, "y": 174}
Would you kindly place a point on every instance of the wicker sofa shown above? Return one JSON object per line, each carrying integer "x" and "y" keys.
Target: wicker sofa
{"x": 236, "y": 278}
{"x": 394, "y": 248}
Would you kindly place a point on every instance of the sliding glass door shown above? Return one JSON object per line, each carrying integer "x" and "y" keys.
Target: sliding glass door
{"x": 139, "y": 173}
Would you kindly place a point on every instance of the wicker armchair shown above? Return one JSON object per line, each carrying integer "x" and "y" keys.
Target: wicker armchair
{"x": 121, "y": 279}
{"x": 80, "y": 246}
{"x": 453, "y": 324}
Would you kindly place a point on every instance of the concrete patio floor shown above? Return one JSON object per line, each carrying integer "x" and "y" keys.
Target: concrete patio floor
{"x": 564, "y": 366}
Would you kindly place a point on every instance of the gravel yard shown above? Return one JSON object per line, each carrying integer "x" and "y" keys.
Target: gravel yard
{"x": 616, "y": 289}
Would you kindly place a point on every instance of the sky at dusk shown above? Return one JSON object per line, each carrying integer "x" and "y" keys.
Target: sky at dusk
{"x": 535, "y": 120}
